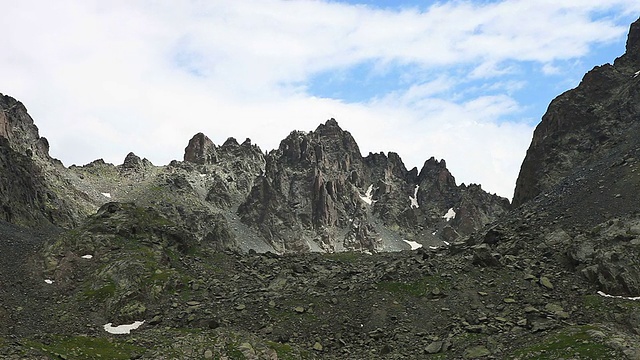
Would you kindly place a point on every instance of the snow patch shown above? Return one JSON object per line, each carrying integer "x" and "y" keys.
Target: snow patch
{"x": 636, "y": 74}
{"x": 433, "y": 247}
{"x": 414, "y": 245}
{"x": 203, "y": 175}
{"x": 122, "y": 329}
{"x": 107, "y": 195}
{"x": 368, "y": 196}
{"x": 414, "y": 198}
{"x": 87, "y": 256}
{"x": 446, "y": 243}
{"x": 433, "y": 233}
{"x": 48, "y": 281}
{"x": 618, "y": 297}
{"x": 449, "y": 215}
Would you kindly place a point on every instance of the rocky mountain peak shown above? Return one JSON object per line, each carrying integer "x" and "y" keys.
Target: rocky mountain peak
{"x": 19, "y": 129}
{"x": 631, "y": 59}
{"x": 200, "y": 150}
{"x": 436, "y": 171}
{"x": 231, "y": 141}
{"x": 134, "y": 162}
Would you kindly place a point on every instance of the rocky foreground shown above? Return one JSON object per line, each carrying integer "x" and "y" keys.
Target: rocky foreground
{"x": 520, "y": 299}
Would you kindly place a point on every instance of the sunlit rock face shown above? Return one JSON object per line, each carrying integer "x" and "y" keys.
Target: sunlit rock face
{"x": 319, "y": 193}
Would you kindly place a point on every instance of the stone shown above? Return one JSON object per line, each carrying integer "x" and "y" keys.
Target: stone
{"x": 544, "y": 281}
{"x": 208, "y": 354}
{"x": 317, "y": 346}
{"x": 434, "y": 347}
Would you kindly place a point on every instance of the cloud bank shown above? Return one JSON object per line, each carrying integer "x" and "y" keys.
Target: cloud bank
{"x": 447, "y": 80}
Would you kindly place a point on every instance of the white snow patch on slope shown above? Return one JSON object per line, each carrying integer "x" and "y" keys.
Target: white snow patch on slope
{"x": 86, "y": 256}
{"x": 203, "y": 175}
{"x": 636, "y": 74}
{"x": 48, "y": 281}
{"x": 449, "y": 215}
{"x": 368, "y": 196}
{"x": 618, "y": 297}
{"x": 414, "y": 245}
{"x": 414, "y": 198}
{"x": 107, "y": 195}
{"x": 446, "y": 243}
{"x": 122, "y": 329}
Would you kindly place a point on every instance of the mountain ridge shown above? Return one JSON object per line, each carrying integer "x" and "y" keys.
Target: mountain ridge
{"x": 310, "y": 194}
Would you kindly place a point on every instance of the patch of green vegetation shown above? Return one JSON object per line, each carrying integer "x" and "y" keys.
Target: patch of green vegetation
{"x": 160, "y": 276}
{"x": 284, "y": 351}
{"x": 102, "y": 293}
{"x": 417, "y": 288}
{"x": 599, "y": 303}
{"x": 593, "y": 301}
{"x": 569, "y": 343}
{"x": 234, "y": 352}
{"x": 347, "y": 256}
{"x": 83, "y": 347}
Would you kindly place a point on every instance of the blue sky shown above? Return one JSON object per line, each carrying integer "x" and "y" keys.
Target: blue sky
{"x": 464, "y": 81}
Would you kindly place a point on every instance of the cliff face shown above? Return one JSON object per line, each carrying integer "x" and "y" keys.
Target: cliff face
{"x": 319, "y": 193}
{"x": 585, "y": 123}
{"x": 33, "y": 191}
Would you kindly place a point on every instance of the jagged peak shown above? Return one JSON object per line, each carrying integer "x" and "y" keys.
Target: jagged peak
{"x": 633, "y": 42}
{"x": 231, "y": 141}
{"x": 17, "y": 126}
{"x": 200, "y": 150}
{"x": 631, "y": 57}
{"x": 432, "y": 162}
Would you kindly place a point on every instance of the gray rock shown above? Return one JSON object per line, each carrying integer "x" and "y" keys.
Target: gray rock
{"x": 434, "y": 347}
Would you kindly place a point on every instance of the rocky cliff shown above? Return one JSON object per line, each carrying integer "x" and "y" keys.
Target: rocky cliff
{"x": 579, "y": 186}
{"x": 584, "y": 124}
{"x": 33, "y": 189}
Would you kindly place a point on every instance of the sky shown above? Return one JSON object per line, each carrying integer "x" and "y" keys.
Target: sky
{"x": 463, "y": 81}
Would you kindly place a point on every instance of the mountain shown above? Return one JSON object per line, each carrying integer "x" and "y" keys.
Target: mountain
{"x": 314, "y": 193}
{"x": 318, "y": 193}
{"x": 584, "y": 124}
{"x": 233, "y": 253}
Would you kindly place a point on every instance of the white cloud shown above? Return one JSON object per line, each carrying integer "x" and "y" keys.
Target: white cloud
{"x": 105, "y": 78}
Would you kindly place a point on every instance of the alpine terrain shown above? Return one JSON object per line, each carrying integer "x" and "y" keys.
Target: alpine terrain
{"x": 313, "y": 251}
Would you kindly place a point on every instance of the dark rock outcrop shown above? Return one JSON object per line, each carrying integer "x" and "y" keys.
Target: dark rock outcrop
{"x": 200, "y": 150}
{"x": 584, "y": 124}
{"x": 33, "y": 191}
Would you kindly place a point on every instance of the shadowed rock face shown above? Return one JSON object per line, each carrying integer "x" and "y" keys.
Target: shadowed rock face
{"x": 32, "y": 191}
{"x": 584, "y": 123}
